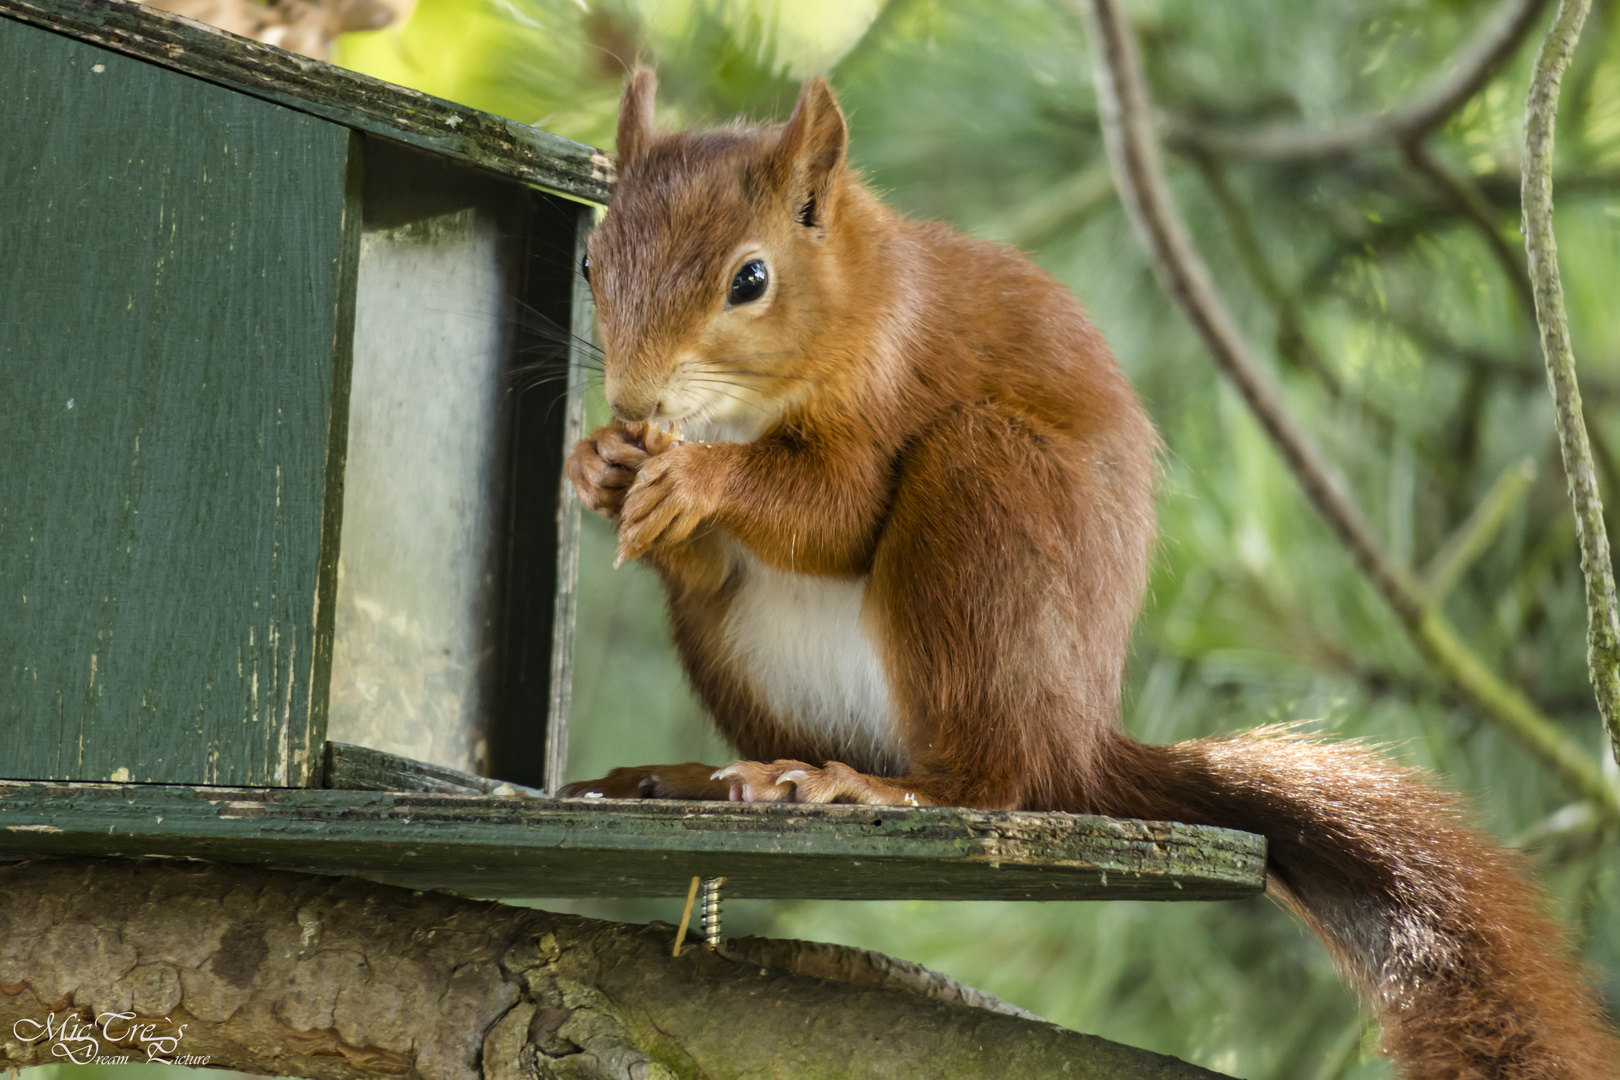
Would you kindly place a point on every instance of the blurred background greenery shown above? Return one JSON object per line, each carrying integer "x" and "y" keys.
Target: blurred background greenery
{"x": 1401, "y": 342}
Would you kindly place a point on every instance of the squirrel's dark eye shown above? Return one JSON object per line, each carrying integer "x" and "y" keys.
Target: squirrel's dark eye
{"x": 750, "y": 282}
{"x": 585, "y": 268}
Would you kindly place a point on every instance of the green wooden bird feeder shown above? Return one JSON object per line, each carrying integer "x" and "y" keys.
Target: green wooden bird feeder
{"x": 286, "y": 563}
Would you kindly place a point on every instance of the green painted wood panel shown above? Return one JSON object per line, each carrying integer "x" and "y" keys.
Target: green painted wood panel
{"x": 176, "y": 292}
{"x": 518, "y": 847}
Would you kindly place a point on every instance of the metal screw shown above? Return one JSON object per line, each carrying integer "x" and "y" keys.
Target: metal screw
{"x": 711, "y": 911}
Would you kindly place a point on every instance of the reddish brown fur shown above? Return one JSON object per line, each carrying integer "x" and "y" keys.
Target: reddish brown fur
{"x": 935, "y": 417}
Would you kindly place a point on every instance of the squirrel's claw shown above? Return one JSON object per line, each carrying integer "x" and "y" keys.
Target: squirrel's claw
{"x": 663, "y": 506}
{"x": 755, "y": 781}
{"x": 795, "y": 781}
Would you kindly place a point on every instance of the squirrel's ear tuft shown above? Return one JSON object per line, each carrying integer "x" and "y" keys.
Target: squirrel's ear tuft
{"x": 810, "y": 151}
{"x": 636, "y": 115}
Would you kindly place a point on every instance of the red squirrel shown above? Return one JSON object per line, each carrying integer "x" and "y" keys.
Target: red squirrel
{"x": 904, "y": 535}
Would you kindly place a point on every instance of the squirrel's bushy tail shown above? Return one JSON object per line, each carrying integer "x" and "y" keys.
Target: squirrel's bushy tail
{"x": 1434, "y": 924}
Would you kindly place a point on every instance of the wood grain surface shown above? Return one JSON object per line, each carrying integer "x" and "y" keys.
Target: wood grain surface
{"x": 176, "y": 286}
{"x": 517, "y": 847}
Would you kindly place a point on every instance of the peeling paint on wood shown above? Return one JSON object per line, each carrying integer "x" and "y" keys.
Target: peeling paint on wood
{"x": 178, "y": 314}
{"x": 513, "y": 846}
{"x": 535, "y": 157}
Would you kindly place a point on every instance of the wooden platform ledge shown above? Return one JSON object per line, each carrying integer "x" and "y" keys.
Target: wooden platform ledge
{"x": 518, "y": 846}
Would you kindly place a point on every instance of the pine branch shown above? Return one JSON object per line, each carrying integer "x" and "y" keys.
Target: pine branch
{"x": 1540, "y": 115}
{"x": 1471, "y": 205}
{"x": 1427, "y": 110}
{"x": 1125, "y": 111}
{"x": 1475, "y": 534}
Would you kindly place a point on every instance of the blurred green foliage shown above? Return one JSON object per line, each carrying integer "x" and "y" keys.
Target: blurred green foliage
{"x": 1399, "y": 339}
{"x": 1400, "y": 342}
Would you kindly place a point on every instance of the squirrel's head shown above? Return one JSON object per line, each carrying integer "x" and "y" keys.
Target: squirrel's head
{"x": 713, "y": 270}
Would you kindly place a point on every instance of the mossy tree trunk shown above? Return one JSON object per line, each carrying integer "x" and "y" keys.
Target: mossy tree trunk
{"x": 339, "y": 978}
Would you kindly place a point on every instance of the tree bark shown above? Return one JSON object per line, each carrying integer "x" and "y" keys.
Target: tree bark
{"x": 339, "y": 978}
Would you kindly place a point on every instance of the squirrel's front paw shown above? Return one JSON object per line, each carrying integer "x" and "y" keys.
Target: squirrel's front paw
{"x": 671, "y": 496}
{"x": 604, "y": 463}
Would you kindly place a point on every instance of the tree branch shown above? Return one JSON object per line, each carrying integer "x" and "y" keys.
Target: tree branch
{"x": 1293, "y": 342}
{"x": 1125, "y": 111}
{"x": 1444, "y": 95}
{"x": 338, "y": 979}
{"x": 1540, "y": 116}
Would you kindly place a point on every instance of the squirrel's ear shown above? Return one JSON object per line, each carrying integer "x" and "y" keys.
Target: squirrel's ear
{"x": 810, "y": 151}
{"x": 636, "y": 114}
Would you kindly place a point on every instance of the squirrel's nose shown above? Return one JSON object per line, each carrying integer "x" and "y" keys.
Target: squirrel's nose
{"x": 631, "y": 403}
{"x": 632, "y": 416}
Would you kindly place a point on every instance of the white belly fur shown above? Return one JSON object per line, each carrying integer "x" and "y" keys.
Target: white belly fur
{"x": 801, "y": 642}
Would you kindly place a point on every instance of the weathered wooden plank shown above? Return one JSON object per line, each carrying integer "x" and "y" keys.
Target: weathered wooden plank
{"x": 361, "y": 768}
{"x": 313, "y": 714}
{"x": 528, "y": 742}
{"x": 579, "y": 358}
{"x": 176, "y": 288}
{"x": 535, "y": 157}
{"x": 514, "y": 846}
